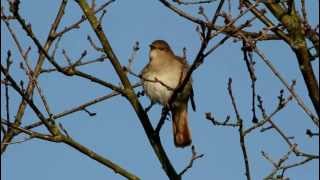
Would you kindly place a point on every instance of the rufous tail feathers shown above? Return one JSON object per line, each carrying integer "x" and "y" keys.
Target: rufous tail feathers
{"x": 181, "y": 131}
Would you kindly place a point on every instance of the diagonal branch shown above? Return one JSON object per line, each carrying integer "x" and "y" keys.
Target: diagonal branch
{"x": 241, "y": 131}
{"x": 228, "y": 31}
{"x": 57, "y": 136}
{"x": 9, "y": 135}
{"x": 48, "y": 122}
{"x": 129, "y": 93}
{"x": 296, "y": 39}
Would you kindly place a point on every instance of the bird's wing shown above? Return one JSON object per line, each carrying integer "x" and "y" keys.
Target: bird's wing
{"x": 186, "y": 66}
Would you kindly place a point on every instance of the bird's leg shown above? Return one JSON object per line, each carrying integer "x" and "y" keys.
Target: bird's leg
{"x": 164, "y": 113}
{"x": 140, "y": 93}
{"x": 150, "y": 106}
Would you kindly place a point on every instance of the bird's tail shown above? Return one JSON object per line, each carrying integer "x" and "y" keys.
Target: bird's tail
{"x": 181, "y": 131}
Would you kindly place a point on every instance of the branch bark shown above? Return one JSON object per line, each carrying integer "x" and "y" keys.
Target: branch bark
{"x": 296, "y": 39}
{"x": 9, "y": 135}
{"x": 129, "y": 92}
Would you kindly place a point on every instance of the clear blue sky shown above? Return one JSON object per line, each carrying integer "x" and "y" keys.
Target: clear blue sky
{"x": 116, "y": 133}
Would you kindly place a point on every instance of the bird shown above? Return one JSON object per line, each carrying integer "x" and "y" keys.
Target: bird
{"x": 160, "y": 77}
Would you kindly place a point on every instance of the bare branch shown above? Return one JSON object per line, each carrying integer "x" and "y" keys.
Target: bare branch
{"x": 241, "y": 131}
{"x": 9, "y": 135}
{"x": 180, "y": 2}
{"x": 211, "y": 118}
{"x": 194, "y": 157}
{"x": 76, "y": 25}
{"x": 299, "y": 100}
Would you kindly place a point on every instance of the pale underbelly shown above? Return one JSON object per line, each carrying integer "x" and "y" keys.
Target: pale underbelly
{"x": 158, "y": 92}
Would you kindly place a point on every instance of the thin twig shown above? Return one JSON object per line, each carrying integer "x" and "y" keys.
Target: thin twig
{"x": 163, "y": 117}
{"x": 241, "y": 131}
{"x": 78, "y": 108}
{"x": 194, "y": 157}
{"x": 265, "y": 117}
{"x": 99, "y": 59}
{"x": 32, "y": 134}
{"x": 19, "y": 141}
{"x": 300, "y": 102}
{"x": 8, "y": 63}
{"x": 180, "y": 2}
{"x": 49, "y": 123}
{"x": 311, "y": 134}
{"x": 155, "y": 80}
{"x": 70, "y": 71}
{"x": 76, "y": 24}
{"x": 247, "y": 54}
{"x": 211, "y": 118}
{"x": 134, "y": 52}
{"x": 283, "y": 81}
{"x": 30, "y": 87}
{"x": 99, "y": 49}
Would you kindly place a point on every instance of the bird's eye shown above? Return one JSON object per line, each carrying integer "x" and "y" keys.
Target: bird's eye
{"x": 152, "y": 47}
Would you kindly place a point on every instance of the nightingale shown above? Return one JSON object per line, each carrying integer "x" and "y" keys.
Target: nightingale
{"x": 160, "y": 77}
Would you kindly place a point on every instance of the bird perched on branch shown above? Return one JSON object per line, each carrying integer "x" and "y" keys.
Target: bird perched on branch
{"x": 160, "y": 78}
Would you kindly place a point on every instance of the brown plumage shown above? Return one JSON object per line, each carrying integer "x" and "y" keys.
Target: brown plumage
{"x": 160, "y": 77}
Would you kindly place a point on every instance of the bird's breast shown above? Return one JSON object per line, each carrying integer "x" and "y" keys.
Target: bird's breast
{"x": 160, "y": 86}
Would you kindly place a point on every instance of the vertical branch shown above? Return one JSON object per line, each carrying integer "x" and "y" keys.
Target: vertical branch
{"x": 233, "y": 101}
{"x": 8, "y": 61}
{"x": 247, "y": 53}
{"x": 241, "y": 131}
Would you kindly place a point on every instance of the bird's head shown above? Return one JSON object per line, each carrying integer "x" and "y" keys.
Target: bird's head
{"x": 159, "y": 47}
